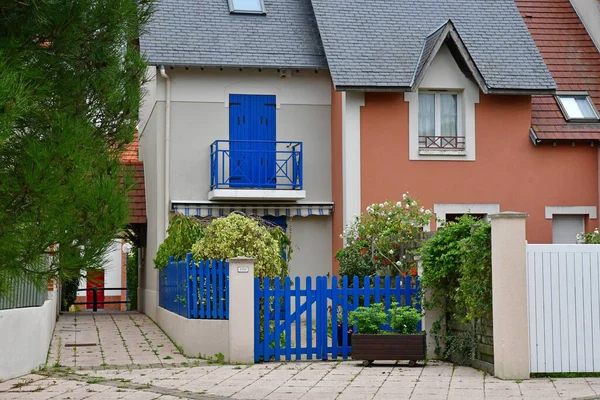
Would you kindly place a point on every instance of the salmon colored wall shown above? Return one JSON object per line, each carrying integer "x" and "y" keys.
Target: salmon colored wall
{"x": 509, "y": 170}
{"x": 336, "y": 174}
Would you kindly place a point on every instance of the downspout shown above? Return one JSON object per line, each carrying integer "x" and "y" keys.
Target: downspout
{"x": 167, "y": 146}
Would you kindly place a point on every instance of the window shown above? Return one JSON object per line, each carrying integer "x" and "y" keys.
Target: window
{"x": 578, "y": 107}
{"x": 439, "y": 121}
{"x": 247, "y": 6}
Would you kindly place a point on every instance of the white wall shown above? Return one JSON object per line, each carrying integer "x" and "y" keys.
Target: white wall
{"x": 198, "y": 337}
{"x": 25, "y": 335}
{"x": 589, "y": 13}
{"x": 311, "y": 241}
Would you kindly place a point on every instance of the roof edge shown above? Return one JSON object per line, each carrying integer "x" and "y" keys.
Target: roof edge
{"x": 194, "y": 65}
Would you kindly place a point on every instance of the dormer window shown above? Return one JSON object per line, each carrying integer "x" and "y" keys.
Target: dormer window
{"x": 577, "y": 107}
{"x": 246, "y": 7}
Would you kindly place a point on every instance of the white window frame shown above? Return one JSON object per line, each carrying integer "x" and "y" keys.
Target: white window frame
{"x": 559, "y": 96}
{"x": 233, "y": 10}
{"x": 443, "y": 209}
{"x": 438, "y": 118}
{"x": 590, "y": 211}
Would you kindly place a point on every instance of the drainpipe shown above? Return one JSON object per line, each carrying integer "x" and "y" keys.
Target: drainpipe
{"x": 167, "y": 145}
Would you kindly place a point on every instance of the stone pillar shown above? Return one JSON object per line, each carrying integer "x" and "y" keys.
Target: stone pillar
{"x": 509, "y": 296}
{"x": 241, "y": 310}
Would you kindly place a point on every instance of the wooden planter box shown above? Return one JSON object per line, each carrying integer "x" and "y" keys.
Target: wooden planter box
{"x": 388, "y": 347}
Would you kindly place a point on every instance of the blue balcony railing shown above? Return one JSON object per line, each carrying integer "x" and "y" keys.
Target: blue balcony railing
{"x": 255, "y": 164}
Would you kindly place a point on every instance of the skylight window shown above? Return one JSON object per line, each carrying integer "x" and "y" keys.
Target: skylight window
{"x": 247, "y": 6}
{"x": 577, "y": 107}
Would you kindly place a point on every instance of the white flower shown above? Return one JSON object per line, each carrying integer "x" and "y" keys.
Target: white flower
{"x": 380, "y": 205}
{"x": 427, "y": 212}
{"x": 407, "y": 206}
{"x": 404, "y": 257}
{"x": 404, "y": 196}
{"x": 341, "y": 236}
{"x": 421, "y": 209}
{"x": 414, "y": 203}
{"x": 398, "y": 263}
{"x": 391, "y": 251}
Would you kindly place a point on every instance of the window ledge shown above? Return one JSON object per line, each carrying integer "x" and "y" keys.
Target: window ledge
{"x": 442, "y": 152}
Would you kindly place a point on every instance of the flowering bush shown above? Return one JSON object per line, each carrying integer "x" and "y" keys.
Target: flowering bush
{"x": 384, "y": 238}
{"x": 589, "y": 238}
{"x": 239, "y": 236}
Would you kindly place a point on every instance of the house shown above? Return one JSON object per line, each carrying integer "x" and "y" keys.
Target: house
{"x": 307, "y": 112}
{"x": 114, "y": 273}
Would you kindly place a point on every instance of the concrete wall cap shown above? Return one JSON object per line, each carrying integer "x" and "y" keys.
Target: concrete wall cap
{"x": 239, "y": 260}
{"x": 508, "y": 214}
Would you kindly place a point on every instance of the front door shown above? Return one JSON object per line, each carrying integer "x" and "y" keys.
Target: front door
{"x": 252, "y": 141}
{"x": 95, "y": 279}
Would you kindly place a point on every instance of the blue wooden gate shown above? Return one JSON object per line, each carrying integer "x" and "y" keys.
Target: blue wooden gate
{"x": 292, "y": 322}
{"x": 252, "y": 135}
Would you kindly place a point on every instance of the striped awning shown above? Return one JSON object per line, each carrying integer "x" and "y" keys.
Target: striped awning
{"x": 276, "y": 210}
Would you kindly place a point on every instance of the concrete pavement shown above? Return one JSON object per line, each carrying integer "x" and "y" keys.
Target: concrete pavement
{"x": 126, "y": 356}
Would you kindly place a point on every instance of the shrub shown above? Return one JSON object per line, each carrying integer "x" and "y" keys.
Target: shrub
{"x": 368, "y": 320}
{"x": 239, "y": 236}
{"x": 457, "y": 276}
{"x": 384, "y": 239}
{"x": 183, "y": 232}
{"x": 589, "y": 238}
{"x": 404, "y": 320}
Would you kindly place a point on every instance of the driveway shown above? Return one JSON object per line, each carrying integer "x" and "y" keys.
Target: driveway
{"x": 133, "y": 359}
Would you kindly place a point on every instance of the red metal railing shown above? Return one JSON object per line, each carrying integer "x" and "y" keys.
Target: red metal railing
{"x": 442, "y": 142}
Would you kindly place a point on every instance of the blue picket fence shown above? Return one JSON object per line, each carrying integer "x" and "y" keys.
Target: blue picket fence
{"x": 282, "y": 332}
{"x": 195, "y": 289}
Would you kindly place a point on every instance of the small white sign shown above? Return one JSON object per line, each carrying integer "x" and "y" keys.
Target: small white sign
{"x": 243, "y": 270}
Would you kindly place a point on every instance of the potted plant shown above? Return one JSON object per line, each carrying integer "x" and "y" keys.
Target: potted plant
{"x": 373, "y": 340}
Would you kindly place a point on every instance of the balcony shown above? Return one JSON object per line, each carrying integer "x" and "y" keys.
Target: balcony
{"x": 442, "y": 145}
{"x": 256, "y": 169}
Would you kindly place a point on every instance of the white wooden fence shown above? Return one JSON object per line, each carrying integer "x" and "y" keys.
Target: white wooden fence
{"x": 564, "y": 307}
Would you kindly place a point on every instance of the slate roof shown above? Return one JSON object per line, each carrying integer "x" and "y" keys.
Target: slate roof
{"x": 204, "y": 33}
{"x": 572, "y": 59}
{"x": 376, "y": 44}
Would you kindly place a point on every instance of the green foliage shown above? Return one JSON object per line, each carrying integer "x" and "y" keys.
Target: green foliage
{"x": 404, "y": 320}
{"x": 589, "y": 238}
{"x": 368, "y": 320}
{"x": 132, "y": 278}
{"x": 183, "y": 232}
{"x": 353, "y": 263}
{"x": 461, "y": 347}
{"x": 384, "y": 239}
{"x": 239, "y": 236}
{"x": 70, "y": 90}
{"x": 69, "y": 292}
{"x": 457, "y": 279}
{"x": 457, "y": 268}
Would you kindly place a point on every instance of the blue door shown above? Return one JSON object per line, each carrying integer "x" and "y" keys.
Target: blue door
{"x": 252, "y": 134}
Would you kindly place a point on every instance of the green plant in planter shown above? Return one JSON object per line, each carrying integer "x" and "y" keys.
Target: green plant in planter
{"x": 368, "y": 320}
{"x": 404, "y": 320}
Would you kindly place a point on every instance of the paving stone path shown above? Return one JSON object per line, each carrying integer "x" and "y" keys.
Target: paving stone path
{"x": 152, "y": 368}
{"x": 125, "y": 338}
